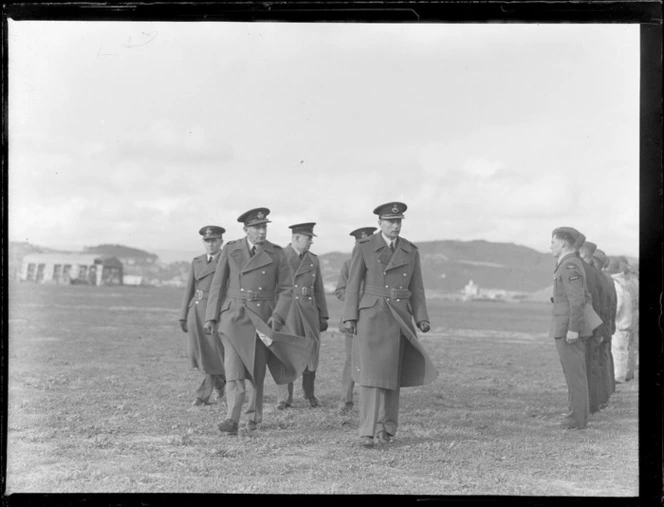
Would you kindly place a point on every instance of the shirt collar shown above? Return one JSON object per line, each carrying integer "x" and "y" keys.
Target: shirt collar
{"x": 388, "y": 240}
{"x": 251, "y": 245}
{"x": 564, "y": 256}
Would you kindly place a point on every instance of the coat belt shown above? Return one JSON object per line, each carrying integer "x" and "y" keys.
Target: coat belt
{"x": 200, "y": 295}
{"x": 250, "y": 295}
{"x": 388, "y": 293}
{"x": 304, "y": 291}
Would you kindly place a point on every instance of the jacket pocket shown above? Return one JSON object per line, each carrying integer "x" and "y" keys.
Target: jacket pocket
{"x": 225, "y": 306}
{"x": 367, "y": 301}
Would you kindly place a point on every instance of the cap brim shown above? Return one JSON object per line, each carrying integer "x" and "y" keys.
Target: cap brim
{"x": 257, "y": 222}
{"x": 391, "y": 216}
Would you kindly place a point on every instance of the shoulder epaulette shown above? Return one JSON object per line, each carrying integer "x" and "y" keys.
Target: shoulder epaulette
{"x": 232, "y": 241}
{"x": 313, "y": 254}
{"x": 364, "y": 240}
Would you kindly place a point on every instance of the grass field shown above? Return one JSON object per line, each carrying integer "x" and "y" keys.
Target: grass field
{"x": 100, "y": 396}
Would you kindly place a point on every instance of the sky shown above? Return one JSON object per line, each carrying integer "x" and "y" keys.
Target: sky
{"x": 141, "y": 133}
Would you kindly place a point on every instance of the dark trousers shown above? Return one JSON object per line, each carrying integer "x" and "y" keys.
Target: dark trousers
{"x": 235, "y": 389}
{"x": 379, "y": 408}
{"x": 210, "y": 383}
{"x": 285, "y": 391}
{"x": 593, "y": 372}
{"x": 573, "y": 360}
{"x": 606, "y": 372}
{"x": 347, "y": 377}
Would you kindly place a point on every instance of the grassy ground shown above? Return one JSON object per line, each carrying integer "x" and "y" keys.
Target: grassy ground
{"x": 100, "y": 399}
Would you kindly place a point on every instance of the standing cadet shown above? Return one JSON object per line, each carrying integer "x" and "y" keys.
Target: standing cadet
{"x": 386, "y": 352}
{"x": 633, "y": 286}
{"x": 623, "y": 338}
{"x": 205, "y": 352}
{"x": 569, "y": 324}
{"x": 307, "y": 315}
{"x": 609, "y": 327}
{"x": 595, "y": 286}
{"x": 248, "y": 302}
{"x": 340, "y": 291}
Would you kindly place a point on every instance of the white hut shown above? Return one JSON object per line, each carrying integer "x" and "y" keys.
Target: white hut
{"x": 89, "y": 269}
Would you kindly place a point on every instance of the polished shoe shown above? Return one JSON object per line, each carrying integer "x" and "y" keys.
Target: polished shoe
{"x": 384, "y": 437}
{"x": 347, "y": 408}
{"x": 313, "y": 401}
{"x": 229, "y": 426}
{"x": 252, "y": 425}
{"x": 366, "y": 442}
{"x": 198, "y": 402}
{"x": 282, "y": 405}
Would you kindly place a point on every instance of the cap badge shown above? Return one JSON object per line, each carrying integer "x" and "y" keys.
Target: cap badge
{"x": 260, "y": 215}
{"x": 395, "y": 209}
{"x": 208, "y": 231}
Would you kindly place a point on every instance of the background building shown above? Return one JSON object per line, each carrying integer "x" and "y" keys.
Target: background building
{"x": 89, "y": 269}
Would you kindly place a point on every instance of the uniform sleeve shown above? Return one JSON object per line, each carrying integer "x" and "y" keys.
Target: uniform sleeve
{"x": 188, "y": 294}
{"x": 319, "y": 293}
{"x": 417, "y": 298}
{"x": 218, "y": 287}
{"x": 340, "y": 291}
{"x": 283, "y": 287}
{"x": 575, "y": 289}
{"x": 356, "y": 273}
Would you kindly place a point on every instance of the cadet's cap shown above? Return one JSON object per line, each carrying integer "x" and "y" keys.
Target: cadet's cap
{"x": 211, "y": 231}
{"x": 306, "y": 228}
{"x": 601, "y": 257}
{"x": 363, "y": 232}
{"x": 614, "y": 266}
{"x": 391, "y": 210}
{"x": 575, "y": 237}
{"x": 254, "y": 216}
{"x": 590, "y": 246}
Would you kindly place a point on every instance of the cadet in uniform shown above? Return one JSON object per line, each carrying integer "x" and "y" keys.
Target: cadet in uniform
{"x": 600, "y": 260}
{"x": 340, "y": 291}
{"x": 595, "y": 287}
{"x": 206, "y": 353}
{"x": 623, "y": 338}
{"x": 569, "y": 324}
{"x": 386, "y": 352}
{"x": 248, "y": 302}
{"x": 307, "y": 315}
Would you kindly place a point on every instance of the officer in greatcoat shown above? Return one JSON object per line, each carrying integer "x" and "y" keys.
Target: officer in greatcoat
{"x": 595, "y": 287}
{"x": 600, "y": 260}
{"x": 206, "y": 353}
{"x": 307, "y": 315}
{"x": 340, "y": 292}
{"x": 573, "y": 321}
{"x": 386, "y": 352}
{"x": 249, "y": 297}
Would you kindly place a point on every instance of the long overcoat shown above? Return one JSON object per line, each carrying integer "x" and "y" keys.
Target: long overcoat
{"x": 245, "y": 292}
{"x": 308, "y": 305}
{"x": 571, "y": 300}
{"x": 205, "y": 351}
{"x": 392, "y": 296}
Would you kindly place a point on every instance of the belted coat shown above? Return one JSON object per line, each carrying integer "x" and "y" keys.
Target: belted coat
{"x": 572, "y": 303}
{"x": 308, "y": 304}
{"x": 384, "y": 308}
{"x": 205, "y": 351}
{"x": 245, "y": 292}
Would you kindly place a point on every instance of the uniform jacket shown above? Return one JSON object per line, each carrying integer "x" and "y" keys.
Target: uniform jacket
{"x": 624, "y": 306}
{"x": 595, "y": 288}
{"x": 608, "y": 314}
{"x": 384, "y": 308}
{"x": 570, "y": 297}
{"x": 308, "y": 304}
{"x": 205, "y": 351}
{"x": 266, "y": 278}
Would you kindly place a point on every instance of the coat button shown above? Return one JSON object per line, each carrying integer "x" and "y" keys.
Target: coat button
{"x": 295, "y": 285}
{"x": 263, "y": 272}
{"x": 297, "y": 297}
{"x": 260, "y": 288}
{"x": 242, "y": 290}
{"x": 388, "y": 300}
{"x": 384, "y": 272}
{"x": 404, "y": 274}
{"x": 258, "y": 304}
{"x": 387, "y": 286}
{"x": 312, "y": 266}
{"x": 398, "y": 300}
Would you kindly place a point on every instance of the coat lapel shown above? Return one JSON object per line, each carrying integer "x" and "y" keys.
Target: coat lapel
{"x": 306, "y": 264}
{"x": 204, "y": 268}
{"x": 380, "y": 247}
{"x": 261, "y": 258}
{"x": 401, "y": 255}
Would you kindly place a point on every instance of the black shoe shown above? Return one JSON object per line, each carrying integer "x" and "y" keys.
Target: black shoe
{"x": 366, "y": 442}
{"x": 313, "y": 401}
{"x": 229, "y": 426}
{"x": 347, "y": 408}
{"x": 384, "y": 437}
{"x": 198, "y": 402}
{"x": 252, "y": 425}
{"x": 283, "y": 405}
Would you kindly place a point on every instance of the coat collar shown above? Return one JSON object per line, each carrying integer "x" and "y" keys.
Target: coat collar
{"x": 401, "y": 254}
{"x": 262, "y": 257}
{"x": 298, "y": 265}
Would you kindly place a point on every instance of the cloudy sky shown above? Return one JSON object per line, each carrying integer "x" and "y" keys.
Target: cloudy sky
{"x": 141, "y": 133}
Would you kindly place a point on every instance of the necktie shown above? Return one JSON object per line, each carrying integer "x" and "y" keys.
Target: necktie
{"x": 392, "y": 246}
{"x": 209, "y": 259}
{"x": 253, "y": 250}
{"x": 302, "y": 255}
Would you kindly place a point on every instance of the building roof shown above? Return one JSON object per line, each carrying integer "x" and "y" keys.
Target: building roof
{"x": 71, "y": 258}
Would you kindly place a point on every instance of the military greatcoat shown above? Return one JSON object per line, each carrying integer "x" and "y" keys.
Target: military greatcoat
{"x": 308, "y": 304}
{"x": 205, "y": 351}
{"x": 245, "y": 292}
{"x": 393, "y": 295}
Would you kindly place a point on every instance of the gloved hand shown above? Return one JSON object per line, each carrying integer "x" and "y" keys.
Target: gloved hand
{"x": 275, "y": 322}
{"x": 351, "y": 326}
{"x": 208, "y": 327}
{"x": 424, "y": 326}
{"x": 323, "y": 325}
{"x": 183, "y": 325}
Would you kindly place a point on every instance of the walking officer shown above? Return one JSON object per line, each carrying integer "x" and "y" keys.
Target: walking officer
{"x": 386, "y": 352}
{"x": 307, "y": 315}
{"x": 340, "y": 292}
{"x": 206, "y": 353}
{"x": 248, "y": 302}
